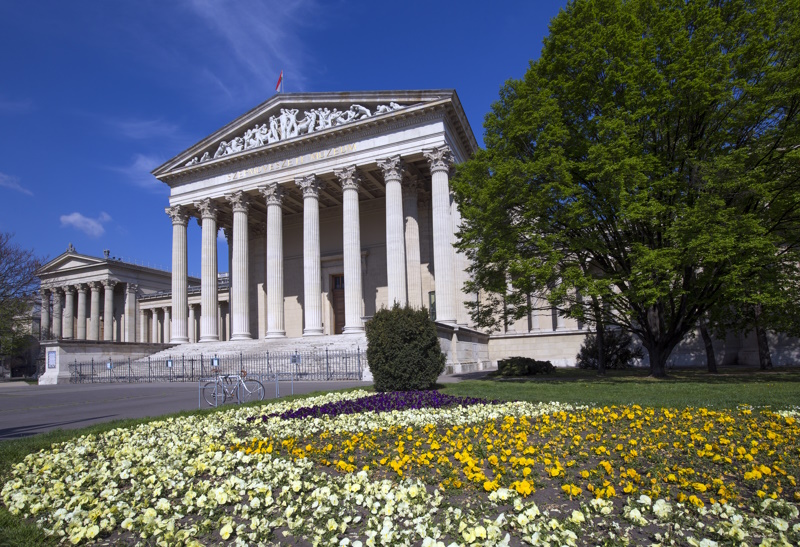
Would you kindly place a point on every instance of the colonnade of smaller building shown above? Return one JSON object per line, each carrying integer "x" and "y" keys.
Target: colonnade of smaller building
{"x": 69, "y": 319}
{"x": 404, "y": 284}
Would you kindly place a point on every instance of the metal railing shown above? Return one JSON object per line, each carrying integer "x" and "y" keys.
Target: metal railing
{"x": 288, "y": 366}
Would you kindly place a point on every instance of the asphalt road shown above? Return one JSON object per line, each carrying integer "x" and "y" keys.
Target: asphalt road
{"x": 30, "y": 409}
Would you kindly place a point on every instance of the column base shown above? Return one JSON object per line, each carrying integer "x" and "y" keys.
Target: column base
{"x": 276, "y": 334}
{"x": 241, "y": 336}
{"x": 180, "y": 340}
{"x": 210, "y": 338}
{"x": 313, "y": 332}
{"x": 353, "y": 330}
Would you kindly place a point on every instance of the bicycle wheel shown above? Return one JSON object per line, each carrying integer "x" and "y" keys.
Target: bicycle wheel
{"x": 251, "y": 390}
{"x": 214, "y": 393}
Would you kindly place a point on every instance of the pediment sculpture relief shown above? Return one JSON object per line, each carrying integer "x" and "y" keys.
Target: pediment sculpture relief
{"x": 286, "y": 126}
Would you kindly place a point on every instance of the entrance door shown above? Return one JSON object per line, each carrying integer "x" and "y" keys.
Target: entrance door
{"x": 337, "y": 282}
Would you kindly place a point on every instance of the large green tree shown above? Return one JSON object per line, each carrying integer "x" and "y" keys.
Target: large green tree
{"x": 644, "y": 169}
{"x": 18, "y": 284}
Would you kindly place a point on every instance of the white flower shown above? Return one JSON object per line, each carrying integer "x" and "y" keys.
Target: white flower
{"x": 577, "y": 517}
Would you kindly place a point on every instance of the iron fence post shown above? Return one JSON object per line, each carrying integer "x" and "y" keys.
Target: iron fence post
{"x": 327, "y": 366}
{"x": 92, "y": 369}
{"x": 358, "y": 354}
{"x": 149, "y": 371}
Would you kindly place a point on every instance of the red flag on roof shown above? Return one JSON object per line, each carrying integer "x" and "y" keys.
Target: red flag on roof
{"x": 280, "y": 79}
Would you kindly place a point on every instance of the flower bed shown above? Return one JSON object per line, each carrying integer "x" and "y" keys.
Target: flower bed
{"x": 355, "y": 469}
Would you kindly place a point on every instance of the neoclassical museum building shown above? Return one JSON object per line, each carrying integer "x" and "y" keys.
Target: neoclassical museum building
{"x": 333, "y": 205}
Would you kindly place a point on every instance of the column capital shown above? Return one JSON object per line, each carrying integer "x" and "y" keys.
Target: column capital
{"x": 439, "y": 158}
{"x": 393, "y": 168}
{"x": 208, "y": 208}
{"x": 273, "y": 193}
{"x": 109, "y": 283}
{"x": 94, "y": 286}
{"x": 310, "y": 185}
{"x": 132, "y": 288}
{"x": 57, "y": 293}
{"x": 68, "y": 289}
{"x": 349, "y": 177}
{"x": 82, "y": 288}
{"x": 166, "y": 308}
{"x": 240, "y": 202}
{"x": 178, "y": 214}
{"x": 45, "y": 292}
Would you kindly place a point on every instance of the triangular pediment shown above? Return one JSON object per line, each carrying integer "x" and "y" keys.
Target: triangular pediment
{"x": 292, "y": 117}
{"x": 68, "y": 261}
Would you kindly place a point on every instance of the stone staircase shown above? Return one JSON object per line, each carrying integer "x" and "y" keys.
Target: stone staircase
{"x": 341, "y": 342}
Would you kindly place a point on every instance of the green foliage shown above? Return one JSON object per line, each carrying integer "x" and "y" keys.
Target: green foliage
{"x": 617, "y": 348}
{"x": 523, "y": 366}
{"x": 403, "y": 349}
{"x": 648, "y": 159}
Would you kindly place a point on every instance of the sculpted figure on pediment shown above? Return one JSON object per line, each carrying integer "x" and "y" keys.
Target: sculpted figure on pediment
{"x": 205, "y": 157}
{"x": 273, "y": 135}
{"x": 221, "y": 149}
{"x": 324, "y": 115}
{"x": 193, "y": 161}
{"x": 306, "y": 125}
{"x": 358, "y": 112}
{"x": 289, "y": 123}
{"x": 236, "y": 145}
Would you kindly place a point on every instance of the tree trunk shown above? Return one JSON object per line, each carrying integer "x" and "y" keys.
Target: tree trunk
{"x": 601, "y": 337}
{"x": 658, "y": 361}
{"x": 711, "y": 359}
{"x": 764, "y": 357}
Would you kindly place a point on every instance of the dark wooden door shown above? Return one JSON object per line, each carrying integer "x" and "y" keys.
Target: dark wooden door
{"x": 337, "y": 282}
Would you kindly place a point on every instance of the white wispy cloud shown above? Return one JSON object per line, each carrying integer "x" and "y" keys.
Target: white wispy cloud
{"x": 144, "y": 129}
{"x": 93, "y": 227}
{"x": 138, "y": 171}
{"x": 12, "y": 183}
{"x": 263, "y": 37}
{"x": 11, "y": 106}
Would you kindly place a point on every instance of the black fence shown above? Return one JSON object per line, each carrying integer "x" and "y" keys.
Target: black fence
{"x": 285, "y": 366}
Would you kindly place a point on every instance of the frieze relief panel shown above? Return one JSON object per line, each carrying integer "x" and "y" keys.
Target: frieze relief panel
{"x": 287, "y": 126}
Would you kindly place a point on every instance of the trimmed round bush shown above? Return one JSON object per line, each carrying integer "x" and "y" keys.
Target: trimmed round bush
{"x": 618, "y": 349}
{"x": 403, "y": 349}
{"x": 523, "y": 366}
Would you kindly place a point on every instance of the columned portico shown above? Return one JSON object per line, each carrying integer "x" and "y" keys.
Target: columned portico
{"x": 351, "y": 252}
{"x": 180, "y": 276}
{"x": 440, "y": 160}
{"x": 393, "y": 169}
{"x": 275, "y": 317}
{"x": 240, "y": 276}
{"x": 44, "y": 322}
{"x": 209, "y": 304}
{"x": 413, "y": 275}
{"x": 94, "y": 311}
{"x": 108, "y": 309}
{"x": 312, "y": 283}
{"x": 69, "y": 313}
{"x": 154, "y": 326}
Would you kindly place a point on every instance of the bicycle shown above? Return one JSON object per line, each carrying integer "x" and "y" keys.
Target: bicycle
{"x": 234, "y": 386}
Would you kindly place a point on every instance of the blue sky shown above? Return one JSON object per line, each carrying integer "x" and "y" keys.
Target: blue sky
{"x": 94, "y": 94}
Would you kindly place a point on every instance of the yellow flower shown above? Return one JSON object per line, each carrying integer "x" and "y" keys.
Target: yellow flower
{"x": 226, "y": 531}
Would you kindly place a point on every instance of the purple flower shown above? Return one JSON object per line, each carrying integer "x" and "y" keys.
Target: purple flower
{"x": 381, "y": 402}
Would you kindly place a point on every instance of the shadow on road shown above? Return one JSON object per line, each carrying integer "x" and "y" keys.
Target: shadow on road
{"x": 25, "y": 431}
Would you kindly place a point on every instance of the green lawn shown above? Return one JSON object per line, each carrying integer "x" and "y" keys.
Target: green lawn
{"x": 778, "y": 388}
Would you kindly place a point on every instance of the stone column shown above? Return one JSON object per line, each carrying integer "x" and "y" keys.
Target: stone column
{"x": 143, "y": 326}
{"x": 180, "y": 273}
{"x": 108, "y": 309}
{"x": 351, "y": 230}
{"x": 154, "y": 326}
{"x": 69, "y": 313}
{"x": 44, "y": 322}
{"x": 312, "y": 269}
{"x": 440, "y": 160}
{"x": 393, "y": 169}
{"x": 240, "y": 268}
{"x": 167, "y": 325}
{"x": 413, "y": 273}
{"x": 94, "y": 311}
{"x": 130, "y": 312}
{"x": 192, "y": 325}
{"x": 274, "y": 197}
{"x": 81, "y": 326}
{"x": 209, "y": 325}
{"x": 57, "y": 314}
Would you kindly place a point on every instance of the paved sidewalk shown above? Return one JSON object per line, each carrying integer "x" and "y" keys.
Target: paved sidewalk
{"x": 30, "y": 409}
